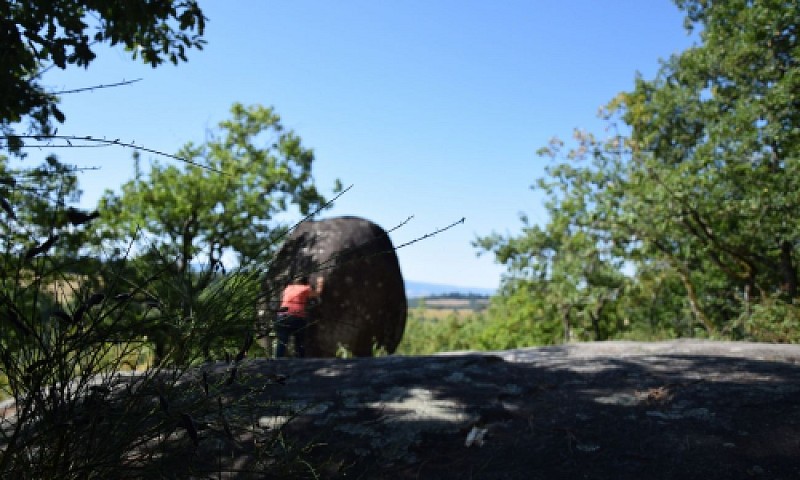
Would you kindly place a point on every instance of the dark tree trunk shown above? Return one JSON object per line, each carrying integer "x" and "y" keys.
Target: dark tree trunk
{"x": 565, "y": 318}
{"x": 788, "y": 269}
{"x": 595, "y": 317}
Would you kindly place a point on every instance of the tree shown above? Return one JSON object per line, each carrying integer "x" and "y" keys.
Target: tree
{"x": 32, "y": 229}
{"x": 716, "y": 137}
{"x": 696, "y": 205}
{"x": 40, "y": 235}
{"x": 40, "y": 34}
{"x": 224, "y": 198}
{"x": 570, "y": 269}
{"x": 28, "y": 197}
{"x": 222, "y": 201}
{"x": 37, "y": 219}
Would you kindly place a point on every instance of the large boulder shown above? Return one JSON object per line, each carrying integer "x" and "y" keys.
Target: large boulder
{"x": 363, "y": 304}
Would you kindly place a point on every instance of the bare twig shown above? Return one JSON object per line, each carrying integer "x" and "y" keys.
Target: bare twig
{"x": 316, "y": 211}
{"x": 96, "y": 87}
{"x": 431, "y": 234}
{"x": 103, "y": 142}
{"x": 319, "y": 209}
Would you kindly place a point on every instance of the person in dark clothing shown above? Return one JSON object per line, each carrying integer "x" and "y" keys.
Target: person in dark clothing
{"x": 293, "y": 318}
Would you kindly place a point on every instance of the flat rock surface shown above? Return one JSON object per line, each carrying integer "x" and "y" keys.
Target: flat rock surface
{"x": 607, "y": 410}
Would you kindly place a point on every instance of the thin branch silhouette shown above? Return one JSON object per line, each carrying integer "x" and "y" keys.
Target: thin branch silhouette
{"x": 68, "y": 146}
{"x": 321, "y": 207}
{"x": 104, "y": 142}
{"x": 431, "y": 234}
{"x": 335, "y": 260}
{"x": 97, "y": 87}
{"x": 316, "y": 211}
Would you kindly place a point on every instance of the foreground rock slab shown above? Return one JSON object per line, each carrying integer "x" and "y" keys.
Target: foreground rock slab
{"x": 608, "y": 410}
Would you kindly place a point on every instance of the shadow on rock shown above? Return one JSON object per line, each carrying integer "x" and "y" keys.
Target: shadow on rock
{"x": 543, "y": 413}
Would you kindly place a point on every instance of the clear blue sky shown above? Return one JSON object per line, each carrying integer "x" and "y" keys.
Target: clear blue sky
{"x": 429, "y": 108}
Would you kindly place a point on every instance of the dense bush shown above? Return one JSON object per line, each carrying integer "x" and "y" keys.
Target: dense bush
{"x": 84, "y": 394}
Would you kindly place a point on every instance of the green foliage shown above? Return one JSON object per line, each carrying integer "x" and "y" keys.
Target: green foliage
{"x": 35, "y": 203}
{"x": 58, "y": 336}
{"x": 716, "y": 149}
{"x": 518, "y": 322}
{"x": 568, "y": 274}
{"x": 223, "y": 199}
{"x": 71, "y": 342}
{"x": 426, "y": 335}
{"x": 771, "y": 320}
{"x": 39, "y": 34}
{"x": 77, "y": 322}
{"x": 184, "y": 220}
{"x": 685, "y": 226}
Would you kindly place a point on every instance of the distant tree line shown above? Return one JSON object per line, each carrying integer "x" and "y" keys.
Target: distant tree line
{"x": 465, "y": 301}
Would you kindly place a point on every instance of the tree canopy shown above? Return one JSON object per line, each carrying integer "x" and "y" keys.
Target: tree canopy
{"x": 692, "y": 212}
{"x": 223, "y": 199}
{"x": 190, "y": 221}
{"x": 37, "y": 35}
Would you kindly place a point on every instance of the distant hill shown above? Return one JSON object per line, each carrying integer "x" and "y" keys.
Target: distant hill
{"x": 422, "y": 289}
{"x": 450, "y": 302}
